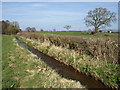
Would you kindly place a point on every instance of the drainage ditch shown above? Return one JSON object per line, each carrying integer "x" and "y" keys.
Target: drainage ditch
{"x": 64, "y": 70}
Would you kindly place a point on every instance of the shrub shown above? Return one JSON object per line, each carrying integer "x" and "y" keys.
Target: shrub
{"x": 92, "y": 32}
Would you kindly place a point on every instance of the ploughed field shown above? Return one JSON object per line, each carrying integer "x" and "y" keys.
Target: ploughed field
{"x": 95, "y": 56}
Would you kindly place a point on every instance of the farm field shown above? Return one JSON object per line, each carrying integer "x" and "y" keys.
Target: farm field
{"x": 101, "y": 69}
{"x": 59, "y": 45}
{"x": 22, "y": 69}
{"x": 83, "y": 34}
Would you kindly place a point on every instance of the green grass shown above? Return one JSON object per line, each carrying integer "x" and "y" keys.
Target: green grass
{"x": 83, "y": 34}
{"x": 22, "y": 69}
{"x": 7, "y": 47}
{"x": 103, "y": 70}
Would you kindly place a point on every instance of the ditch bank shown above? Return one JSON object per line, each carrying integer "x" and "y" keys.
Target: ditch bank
{"x": 64, "y": 70}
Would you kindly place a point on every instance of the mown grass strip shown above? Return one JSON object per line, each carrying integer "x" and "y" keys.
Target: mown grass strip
{"x": 107, "y": 72}
{"x": 7, "y": 72}
{"x": 22, "y": 69}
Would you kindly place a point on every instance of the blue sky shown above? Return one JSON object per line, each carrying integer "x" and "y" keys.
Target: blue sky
{"x": 60, "y": 0}
{"x": 50, "y": 15}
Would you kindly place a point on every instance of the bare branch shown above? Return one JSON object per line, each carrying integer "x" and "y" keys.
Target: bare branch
{"x": 100, "y": 17}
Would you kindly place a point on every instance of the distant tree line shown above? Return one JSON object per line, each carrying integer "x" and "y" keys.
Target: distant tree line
{"x": 10, "y": 27}
{"x": 30, "y": 29}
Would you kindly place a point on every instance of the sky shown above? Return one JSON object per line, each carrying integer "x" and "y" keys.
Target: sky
{"x": 60, "y": 0}
{"x": 53, "y": 15}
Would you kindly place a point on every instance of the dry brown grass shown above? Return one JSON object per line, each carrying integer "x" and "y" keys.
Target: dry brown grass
{"x": 105, "y": 49}
{"x": 103, "y": 70}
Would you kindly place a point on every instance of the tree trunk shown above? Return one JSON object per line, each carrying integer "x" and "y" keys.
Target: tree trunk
{"x": 96, "y": 29}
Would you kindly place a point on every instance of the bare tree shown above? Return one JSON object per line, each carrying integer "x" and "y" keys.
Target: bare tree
{"x": 16, "y": 24}
{"x": 41, "y": 30}
{"x": 28, "y": 29}
{"x": 100, "y": 18}
{"x": 67, "y": 27}
{"x": 54, "y": 29}
{"x": 33, "y": 29}
{"x": 9, "y": 28}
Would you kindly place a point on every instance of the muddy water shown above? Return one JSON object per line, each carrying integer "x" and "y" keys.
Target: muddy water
{"x": 64, "y": 70}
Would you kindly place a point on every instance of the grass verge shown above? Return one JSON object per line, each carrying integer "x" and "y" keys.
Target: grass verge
{"x": 103, "y": 70}
{"x": 105, "y": 49}
{"x": 22, "y": 69}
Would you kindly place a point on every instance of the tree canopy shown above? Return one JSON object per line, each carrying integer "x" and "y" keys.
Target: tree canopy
{"x": 67, "y": 27}
{"x": 29, "y": 29}
{"x": 100, "y": 18}
{"x": 10, "y": 27}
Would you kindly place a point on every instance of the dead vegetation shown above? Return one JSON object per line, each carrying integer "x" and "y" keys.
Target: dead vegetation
{"x": 105, "y": 49}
